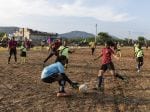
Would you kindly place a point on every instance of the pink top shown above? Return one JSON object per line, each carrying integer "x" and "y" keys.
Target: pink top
{"x": 106, "y": 55}
{"x": 12, "y": 44}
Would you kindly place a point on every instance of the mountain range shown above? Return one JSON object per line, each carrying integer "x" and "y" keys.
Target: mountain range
{"x": 76, "y": 34}
{"x": 72, "y": 34}
{"x": 9, "y": 30}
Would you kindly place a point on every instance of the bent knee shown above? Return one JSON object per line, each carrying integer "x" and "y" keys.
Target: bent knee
{"x": 100, "y": 73}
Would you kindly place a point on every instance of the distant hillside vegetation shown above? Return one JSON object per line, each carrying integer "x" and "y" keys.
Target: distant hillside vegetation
{"x": 76, "y": 34}
{"x": 9, "y": 30}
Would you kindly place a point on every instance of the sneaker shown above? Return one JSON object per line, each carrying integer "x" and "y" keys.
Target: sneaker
{"x": 63, "y": 94}
{"x": 138, "y": 70}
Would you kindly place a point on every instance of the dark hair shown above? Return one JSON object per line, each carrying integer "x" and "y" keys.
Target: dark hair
{"x": 61, "y": 58}
{"x": 109, "y": 43}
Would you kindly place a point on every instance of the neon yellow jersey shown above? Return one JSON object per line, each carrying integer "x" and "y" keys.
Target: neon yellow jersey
{"x": 118, "y": 46}
{"x": 136, "y": 47}
{"x": 63, "y": 51}
{"x": 23, "y": 49}
{"x": 139, "y": 53}
{"x": 92, "y": 44}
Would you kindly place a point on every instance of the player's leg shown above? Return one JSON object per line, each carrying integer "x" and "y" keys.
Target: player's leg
{"x": 15, "y": 54}
{"x": 10, "y": 54}
{"x": 92, "y": 50}
{"x": 49, "y": 56}
{"x": 100, "y": 78}
{"x": 113, "y": 72}
{"x": 138, "y": 64}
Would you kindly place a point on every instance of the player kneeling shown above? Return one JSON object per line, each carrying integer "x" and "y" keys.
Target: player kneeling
{"x": 55, "y": 72}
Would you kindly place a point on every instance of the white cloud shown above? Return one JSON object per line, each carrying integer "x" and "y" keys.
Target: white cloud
{"x": 13, "y": 9}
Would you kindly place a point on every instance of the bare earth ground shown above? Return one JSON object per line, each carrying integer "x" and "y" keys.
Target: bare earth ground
{"x": 21, "y": 89}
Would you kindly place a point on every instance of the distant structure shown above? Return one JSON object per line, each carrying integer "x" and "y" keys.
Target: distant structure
{"x": 35, "y": 36}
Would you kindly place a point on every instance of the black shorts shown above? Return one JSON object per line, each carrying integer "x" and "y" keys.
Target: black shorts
{"x": 109, "y": 66}
{"x": 118, "y": 49}
{"x": 139, "y": 59}
{"x": 13, "y": 51}
{"x": 51, "y": 78}
{"x": 23, "y": 54}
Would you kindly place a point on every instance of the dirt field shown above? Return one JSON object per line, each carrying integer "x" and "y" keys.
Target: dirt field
{"x": 21, "y": 89}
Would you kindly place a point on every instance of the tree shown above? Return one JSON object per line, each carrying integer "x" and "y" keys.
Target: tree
{"x": 141, "y": 40}
{"x": 1, "y": 35}
{"x": 103, "y": 37}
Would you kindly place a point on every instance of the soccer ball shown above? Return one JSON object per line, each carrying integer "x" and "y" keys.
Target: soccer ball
{"x": 83, "y": 88}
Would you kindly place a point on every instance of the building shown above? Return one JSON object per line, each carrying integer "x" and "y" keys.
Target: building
{"x": 35, "y": 36}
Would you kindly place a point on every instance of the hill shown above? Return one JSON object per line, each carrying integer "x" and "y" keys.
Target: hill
{"x": 9, "y": 30}
{"x": 76, "y": 34}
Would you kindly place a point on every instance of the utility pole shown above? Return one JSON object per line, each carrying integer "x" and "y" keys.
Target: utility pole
{"x": 129, "y": 37}
{"x": 96, "y": 33}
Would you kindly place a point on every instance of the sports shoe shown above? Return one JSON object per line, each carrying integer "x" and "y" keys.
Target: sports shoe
{"x": 63, "y": 94}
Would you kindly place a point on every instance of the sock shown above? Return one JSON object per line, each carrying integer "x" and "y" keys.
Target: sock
{"x": 119, "y": 76}
{"x": 62, "y": 86}
{"x": 100, "y": 80}
{"x": 139, "y": 66}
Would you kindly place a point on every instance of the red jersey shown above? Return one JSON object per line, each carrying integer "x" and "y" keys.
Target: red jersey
{"x": 106, "y": 55}
{"x": 12, "y": 44}
{"x": 56, "y": 45}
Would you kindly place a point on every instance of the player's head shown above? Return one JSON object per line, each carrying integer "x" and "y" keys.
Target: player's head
{"x": 62, "y": 59}
{"x": 108, "y": 44}
{"x": 13, "y": 38}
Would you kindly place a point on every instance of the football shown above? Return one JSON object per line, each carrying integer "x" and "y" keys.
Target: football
{"x": 83, "y": 88}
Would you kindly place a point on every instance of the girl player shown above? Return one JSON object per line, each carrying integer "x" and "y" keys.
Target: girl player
{"x": 55, "y": 72}
{"x": 23, "y": 53}
{"x": 107, "y": 63}
{"x": 139, "y": 57}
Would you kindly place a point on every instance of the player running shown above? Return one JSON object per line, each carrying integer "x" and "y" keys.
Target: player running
{"x": 107, "y": 63}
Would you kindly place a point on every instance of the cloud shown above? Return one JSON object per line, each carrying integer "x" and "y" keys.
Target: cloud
{"x": 15, "y": 9}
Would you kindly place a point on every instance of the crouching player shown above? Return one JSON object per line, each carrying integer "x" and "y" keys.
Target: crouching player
{"x": 55, "y": 72}
{"x": 107, "y": 64}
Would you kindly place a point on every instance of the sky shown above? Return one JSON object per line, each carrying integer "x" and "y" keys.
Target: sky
{"x": 121, "y": 18}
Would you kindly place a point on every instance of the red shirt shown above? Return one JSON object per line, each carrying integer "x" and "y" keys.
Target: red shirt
{"x": 57, "y": 44}
{"x": 12, "y": 44}
{"x": 106, "y": 55}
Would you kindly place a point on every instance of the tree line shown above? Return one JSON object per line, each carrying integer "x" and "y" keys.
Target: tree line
{"x": 102, "y": 37}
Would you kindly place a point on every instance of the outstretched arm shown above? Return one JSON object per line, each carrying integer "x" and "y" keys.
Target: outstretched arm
{"x": 98, "y": 57}
{"x": 115, "y": 56}
{"x": 71, "y": 51}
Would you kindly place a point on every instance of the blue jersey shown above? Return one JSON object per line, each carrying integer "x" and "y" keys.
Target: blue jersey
{"x": 52, "y": 69}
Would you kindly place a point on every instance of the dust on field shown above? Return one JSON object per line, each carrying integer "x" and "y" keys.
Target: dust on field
{"x": 22, "y": 90}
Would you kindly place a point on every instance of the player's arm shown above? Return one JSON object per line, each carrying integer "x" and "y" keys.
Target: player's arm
{"x": 51, "y": 46}
{"x": 8, "y": 46}
{"x": 114, "y": 55}
{"x": 98, "y": 57}
{"x": 71, "y": 51}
